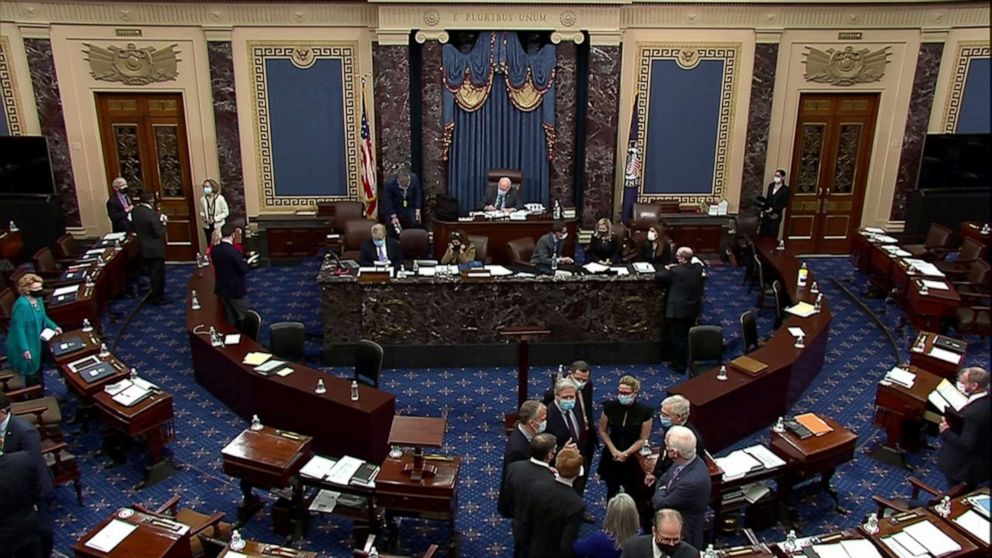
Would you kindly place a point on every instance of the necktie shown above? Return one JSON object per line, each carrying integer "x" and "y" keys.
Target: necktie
{"x": 571, "y": 426}
{"x": 382, "y": 253}
{"x": 500, "y": 199}
{"x": 125, "y": 202}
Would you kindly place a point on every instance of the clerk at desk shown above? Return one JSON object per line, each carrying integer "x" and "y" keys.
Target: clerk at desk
{"x": 381, "y": 248}
{"x": 551, "y": 246}
{"x": 502, "y": 197}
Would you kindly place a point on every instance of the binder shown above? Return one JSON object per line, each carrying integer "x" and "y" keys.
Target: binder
{"x": 749, "y": 365}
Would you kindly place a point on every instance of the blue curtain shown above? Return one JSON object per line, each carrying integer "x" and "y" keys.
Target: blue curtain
{"x": 498, "y": 111}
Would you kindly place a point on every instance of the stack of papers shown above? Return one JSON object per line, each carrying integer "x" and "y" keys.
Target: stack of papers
{"x": 895, "y": 251}
{"x": 114, "y": 236}
{"x": 934, "y": 540}
{"x": 945, "y": 355}
{"x": 593, "y": 267}
{"x": 255, "y": 358}
{"x": 318, "y": 467}
{"x": 65, "y": 290}
{"x": 924, "y": 267}
{"x": 343, "y": 470}
{"x": 935, "y": 285}
{"x": 498, "y": 271}
{"x": 325, "y": 501}
{"x": 131, "y": 395}
{"x": 737, "y": 464}
{"x": 272, "y": 366}
{"x": 797, "y": 332}
{"x": 885, "y": 239}
{"x": 620, "y": 271}
{"x": 947, "y": 395}
{"x": 874, "y": 230}
{"x": 814, "y": 424}
{"x": 975, "y": 524}
{"x": 980, "y": 503}
{"x": 854, "y": 548}
{"x": 643, "y": 267}
{"x": 110, "y": 536}
{"x": 803, "y": 310}
{"x": 755, "y": 491}
{"x": 768, "y": 459}
{"x": 901, "y": 376}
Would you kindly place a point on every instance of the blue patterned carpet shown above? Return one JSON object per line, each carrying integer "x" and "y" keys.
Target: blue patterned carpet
{"x": 475, "y": 400}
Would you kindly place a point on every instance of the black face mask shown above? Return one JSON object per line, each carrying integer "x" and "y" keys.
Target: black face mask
{"x": 37, "y": 294}
{"x": 667, "y": 549}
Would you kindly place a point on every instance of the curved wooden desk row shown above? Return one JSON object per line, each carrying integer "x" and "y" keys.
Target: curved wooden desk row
{"x": 727, "y": 411}
{"x": 338, "y": 425}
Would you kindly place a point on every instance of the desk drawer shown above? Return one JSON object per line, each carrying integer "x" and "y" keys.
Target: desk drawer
{"x": 417, "y": 504}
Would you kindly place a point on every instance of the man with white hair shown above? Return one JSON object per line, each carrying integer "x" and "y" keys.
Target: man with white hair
{"x": 502, "y": 197}
{"x": 685, "y": 300}
{"x": 674, "y": 412}
{"x": 565, "y": 422}
{"x": 685, "y": 487}
{"x": 119, "y": 206}
{"x": 964, "y": 450}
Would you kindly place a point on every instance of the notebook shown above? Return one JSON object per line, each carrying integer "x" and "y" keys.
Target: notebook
{"x": 66, "y": 346}
{"x": 814, "y": 424}
{"x": 749, "y": 365}
{"x": 98, "y": 372}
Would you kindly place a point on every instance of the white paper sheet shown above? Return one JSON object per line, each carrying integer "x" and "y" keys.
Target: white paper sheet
{"x": 65, "y": 290}
{"x": 949, "y": 393}
{"x": 975, "y": 524}
{"x": 131, "y": 395}
{"x": 593, "y": 267}
{"x": 901, "y": 376}
{"x": 256, "y": 358}
{"x": 427, "y": 271}
{"x": 737, "y": 464}
{"x": 860, "y": 548}
{"x": 932, "y": 538}
{"x": 874, "y": 230}
{"x": 830, "y": 551}
{"x": 945, "y": 355}
{"x": 935, "y": 285}
{"x": 95, "y": 252}
{"x": 643, "y": 267}
{"x": 498, "y": 271}
{"x": 768, "y": 459}
{"x": 344, "y": 469}
{"x": 114, "y": 236}
{"x": 47, "y": 334}
{"x": 893, "y": 544}
{"x": 909, "y": 542}
{"x": 318, "y": 467}
{"x": 325, "y": 501}
{"x": 797, "y": 332}
{"x": 620, "y": 271}
{"x": 803, "y": 310}
{"x": 110, "y": 536}
{"x": 232, "y": 338}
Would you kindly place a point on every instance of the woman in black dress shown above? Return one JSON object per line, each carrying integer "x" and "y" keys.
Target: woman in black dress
{"x": 773, "y": 205}
{"x": 656, "y": 248}
{"x": 623, "y": 427}
{"x": 604, "y": 247}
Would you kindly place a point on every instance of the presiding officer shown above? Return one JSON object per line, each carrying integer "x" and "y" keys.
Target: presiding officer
{"x": 401, "y": 202}
{"x": 502, "y": 197}
{"x": 230, "y": 269}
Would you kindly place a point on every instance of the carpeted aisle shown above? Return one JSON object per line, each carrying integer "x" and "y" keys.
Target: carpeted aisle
{"x": 474, "y": 400}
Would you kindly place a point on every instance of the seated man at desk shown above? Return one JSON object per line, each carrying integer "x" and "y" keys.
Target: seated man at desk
{"x": 380, "y": 248}
{"x": 550, "y": 247}
{"x": 502, "y": 197}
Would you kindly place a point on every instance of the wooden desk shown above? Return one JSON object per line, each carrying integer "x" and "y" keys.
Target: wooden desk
{"x": 892, "y": 525}
{"x": 958, "y": 507}
{"x": 86, "y": 390}
{"x": 899, "y": 410}
{"x": 817, "y": 455}
{"x": 108, "y": 282}
{"x": 500, "y": 232}
{"x": 933, "y": 310}
{"x": 830, "y": 538}
{"x": 11, "y": 244}
{"x": 151, "y": 418}
{"x": 523, "y": 335}
{"x": 940, "y": 367}
{"x": 287, "y": 402}
{"x": 433, "y": 497}
{"x": 973, "y": 230}
{"x": 727, "y": 411}
{"x": 255, "y": 549}
{"x": 268, "y": 458}
{"x": 149, "y": 540}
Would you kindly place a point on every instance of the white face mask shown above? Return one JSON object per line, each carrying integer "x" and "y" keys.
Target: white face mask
{"x": 208, "y": 190}
{"x": 961, "y": 387}
{"x": 777, "y": 180}
{"x": 652, "y": 236}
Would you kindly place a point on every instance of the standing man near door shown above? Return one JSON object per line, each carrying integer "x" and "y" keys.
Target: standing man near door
{"x": 119, "y": 206}
{"x": 773, "y": 205}
{"x": 149, "y": 226}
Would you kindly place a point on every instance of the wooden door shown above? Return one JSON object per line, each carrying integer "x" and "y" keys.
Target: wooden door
{"x": 144, "y": 141}
{"x": 831, "y": 155}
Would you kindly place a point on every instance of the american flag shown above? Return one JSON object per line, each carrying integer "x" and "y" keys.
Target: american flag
{"x": 368, "y": 165}
{"x": 632, "y": 170}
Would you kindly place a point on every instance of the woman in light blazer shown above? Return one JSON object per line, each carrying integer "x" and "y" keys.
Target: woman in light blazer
{"x": 213, "y": 207}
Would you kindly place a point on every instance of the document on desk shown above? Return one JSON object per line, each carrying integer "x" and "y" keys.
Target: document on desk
{"x": 814, "y": 424}
{"x": 797, "y": 332}
{"x": 620, "y": 271}
{"x": 643, "y": 267}
{"x": 498, "y": 271}
{"x": 737, "y": 464}
{"x": 318, "y": 467}
{"x": 975, "y": 524}
{"x": 131, "y": 395}
{"x": 768, "y": 459}
{"x": 835, "y": 550}
{"x": 755, "y": 491}
{"x": 232, "y": 338}
{"x": 95, "y": 252}
{"x": 255, "y": 358}
{"x": 426, "y": 271}
{"x": 905, "y": 546}
{"x": 114, "y": 236}
{"x": 65, "y": 290}
{"x": 860, "y": 548}
{"x": 803, "y": 310}
{"x": 944, "y": 355}
{"x": 110, "y": 536}
{"x": 325, "y": 501}
{"x": 268, "y": 366}
{"x": 344, "y": 469}
{"x": 593, "y": 267}
{"x": 981, "y": 504}
{"x": 924, "y": 267}
{"x": 901, "y": 376}
{"x": 935, "y": 285}
{"x": 886, "y": 239}
{"x": 874, "y": 230}
{"x": 932, "y": 538}
{"x": 947, "y": 394}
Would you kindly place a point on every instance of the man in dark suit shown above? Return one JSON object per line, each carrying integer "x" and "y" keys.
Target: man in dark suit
{"x": 230, "y": 269}
{"x": 381, "y": 248}
{"x": 550, "y": 520}
{"x": 119, "y": 206}
{"x": 964, "y": 453}
{"x": 502, "y": 197}
{"x": 566, "y": 424}
{"x": 579, "y": 373}
{"x": 20, "y": 498}
{"x": 149, "y": 226}
{"x": 685, "y": 298}
{"x": 520, "y": 478}
{"x": 400, "y": 202}
{"x": 666, "y": 536}
{"x": 551, "y": 246}
{"x": 18, "y": 435}
{"x": 674, "y": 412}
{"x": 773, "y": 204}
{"x": 685, "y": 487}
{"x": 532, "y": 419}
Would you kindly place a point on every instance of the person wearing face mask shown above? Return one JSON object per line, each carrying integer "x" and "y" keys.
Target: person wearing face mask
{"x": 579, "y": 372}
{"x": 683, "y": 303}
{"x": 401, "y": 202}
{"x": 381, "y": 248}
{"x": 565, "y": 421}
{"x": 964, "y": 451}
{"x": 27, "y": 320}
{"x": 519, "y": 481}
{"x": 119, "y": 206}
{"x": 623, "y": 427}
{"x": 674, "y": 412}
{"x": 502, "y": 197}
{"x": 532, "y": 419}
{"x": 460, "y": 250}
{"x": 604, "y": 246}
{"x": 552, "y": 245}
{"x": 656, "y": 248}
{"x": 213, "y": 208}
{"x": 772, "y": 205}
{"x": 685, "y": 487}
{"x": 665, "y": 540}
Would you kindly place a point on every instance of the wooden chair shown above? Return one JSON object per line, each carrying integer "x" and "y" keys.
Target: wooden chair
{"x": 971, "y": 251}
{"x": 413, "y": 243}
{"x": 902, "y": 505}
{"x": 356, "y": 232}
{"x": 764, "y": 287}
{"x": 341, "y": 212}
{"x": 11, "y": 381}
{"x": 493, "y": 177}
{"x": 7, "y": 299}
{"x": 66, "y": 247}
{"x": 974, "y": 316}
{"x": 976, "y": 283}
{"x": 778, "y": 291}
{"x": 521, "y": 250}
{"x": 45, "y": 264}
{"x": 749, "y": 331}
{"x": 63, "y": 465}
{"x": 481, "y": 244}
{"x": 42, "y": 412}
{"x": 935, "y": 246}
{"x": 210, "y": 527}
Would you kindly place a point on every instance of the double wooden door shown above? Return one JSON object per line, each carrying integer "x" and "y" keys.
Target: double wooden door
{"x": 144, "y": 141}
{"x": 831, "y": 155}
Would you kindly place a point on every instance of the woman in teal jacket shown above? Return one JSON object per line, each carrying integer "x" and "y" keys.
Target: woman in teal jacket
{"x": 27, "y": 321}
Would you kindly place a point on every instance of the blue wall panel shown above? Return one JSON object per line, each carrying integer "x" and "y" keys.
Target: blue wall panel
{"x": 974, "y": 116}
{"x": 4, "y": 130}
{"x": 306, "y": 116}
{"x": 682, "y": 125}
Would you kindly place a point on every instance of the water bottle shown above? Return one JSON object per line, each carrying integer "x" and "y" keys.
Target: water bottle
{"x": 256, "y": 423}
{"x": 354, "y": 390}
{"x": 104, "y": 351}
{"x": 237, "y": 543}
{"x": 134, "y": 374}
{"x": 554, "y": 263}
{"x": 791, "y": 543}
{"x": 779, "y": 425}
{"x": 818, "y": 304}
{"x": 196, "y": 301}
{"x": 87, "y": 326}
{"x": 13, "y": 226}
{"x": 645, "y": 448}
{"x": 803, "y": 275}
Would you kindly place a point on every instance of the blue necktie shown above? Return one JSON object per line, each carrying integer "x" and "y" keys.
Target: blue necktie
{"x": 500, "y": 198}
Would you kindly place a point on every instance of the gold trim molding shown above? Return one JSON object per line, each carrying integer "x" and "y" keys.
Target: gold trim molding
{"x": 967, "y": 51}
{"x": 8, "y": 91}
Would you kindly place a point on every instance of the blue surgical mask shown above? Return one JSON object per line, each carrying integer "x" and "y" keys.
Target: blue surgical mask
{"x": 378, "y": 241}
{"x": 208, "y": 190}
{"x": 666, "y": 421}
{"x": 625, "y": 399}
{"x": 567, "y": 404}
{"x": 541, "y": 426}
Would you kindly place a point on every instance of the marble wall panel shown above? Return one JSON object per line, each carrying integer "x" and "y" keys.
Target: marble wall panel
{"x": 601, "y": 133}
{"x": 563, "y": 163}
{"x": 758, "y": 121}
{"x": 226, "y": 122}
{"x": 392, "y": 107}
{"x": 49, "y": 102}
{"x": 920, "y": 104}
{"x": 435, "y": 167}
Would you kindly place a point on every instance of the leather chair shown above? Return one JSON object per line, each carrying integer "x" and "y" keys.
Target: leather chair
{"x": 356, "y": 232}
{"x": 40, "y": 411}
{"x": 705, "y": 343}
{"x": 414, "y": 244}
{"x": 340, "y": 212}
{"x": 45, "y": 264}
{"x": 778, "y": 291}
{"x": 481, "y": 244}
{"x": 11, "y": 381}
{"x": 903, "y": 505}
{"x": 493, "y": 175}
{"x": 66, "y": 247}
{"x": 199, "y": 524}
{"x": 936, "y": 245}
{"x": 971, "y": 251}
{"x": 975, "y": 284}
{"x": 287, "y": 340}
{"x": 521, "y": 250}
{"x": 7, "y": 299}
{"x": 749, "y": 331}
{"x": 764, "y": 287}
{"x": 368, "y": 363}
{"x": 252, "y": 325}
{"x": 63, "y": 465}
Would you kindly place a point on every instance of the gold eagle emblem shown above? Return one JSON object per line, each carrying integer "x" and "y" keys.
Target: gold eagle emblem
{"x": 132, "y": 65}
{"x": 845, "y": 67}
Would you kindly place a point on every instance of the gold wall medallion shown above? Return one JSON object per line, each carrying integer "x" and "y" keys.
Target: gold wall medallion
{"x": 845, "y": 67}
{"x": 132, "y": 65}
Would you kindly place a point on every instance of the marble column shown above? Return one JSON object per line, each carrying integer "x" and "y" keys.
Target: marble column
{"x": 601, "y": 133}
{"x": 435, "y": 168}
{"x": 918, "y": 118}
{"x": 392, "y": 107}
{"x": 758, "y": 121}
{"x": 49, "y": 101}
{"x": 563, "y": 162}
{"x": 226, "y": 122}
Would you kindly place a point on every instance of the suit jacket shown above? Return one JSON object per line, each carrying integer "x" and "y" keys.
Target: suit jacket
{"x": 230, "y": 269}
{"x": 20, "y": 499}
{"x": 664, "y": 462}
{"x": 584, "y": 402}
{"x": 550, "y": 520}
{"x": 513, "y": 198}
{"x": 689, "y": 493}
{"x": 517, "y": 481}
{"x": 774, "y": 207}
{"x": 21, "y": 436}
{"x": 544, "y": 250}
{"x": 517, "y": 448}
{"x": 685, "y": 290}
{"x": 392, "y": 198}
{"x": 964, "y": 455}
{"x": 371, "y": 254}
{"x": 643, "y": 547}
{"x": 147, "y": 224}
{"x": 118, "y": 217}
{"x": 557, "y": 427}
